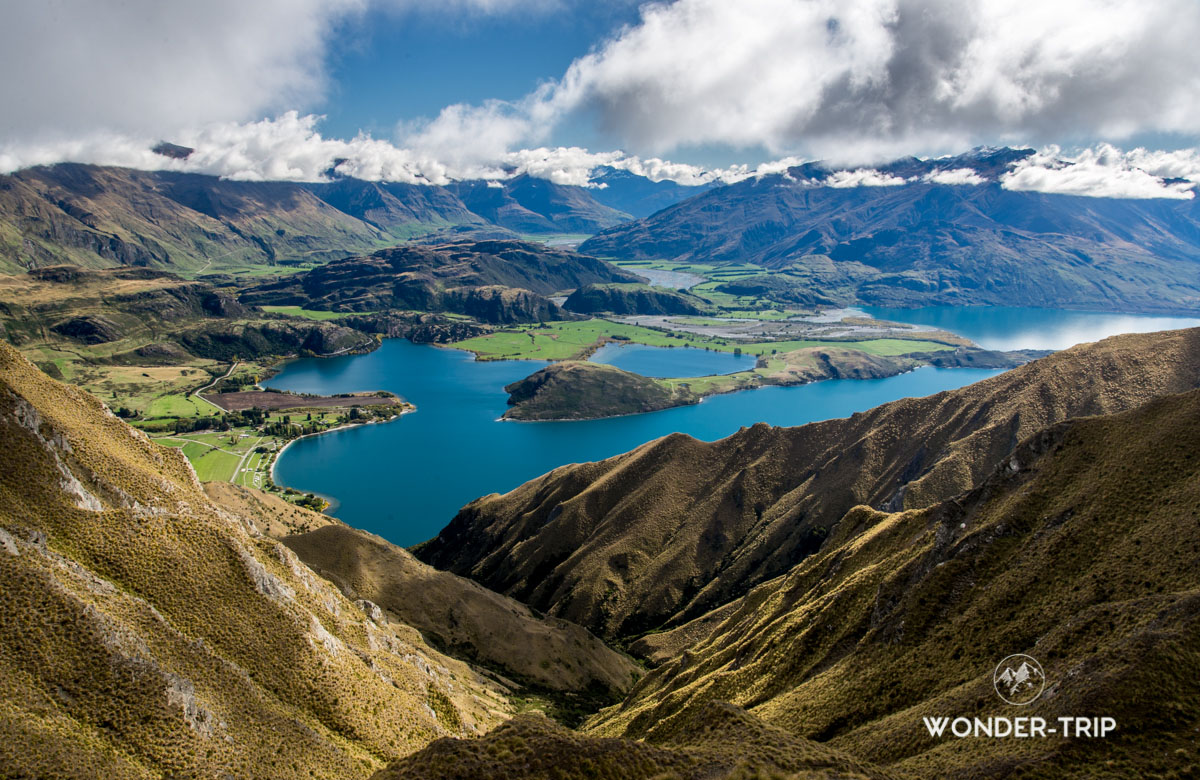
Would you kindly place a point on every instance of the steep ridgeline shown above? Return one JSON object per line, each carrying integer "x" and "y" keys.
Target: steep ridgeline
{"x": 922, "y": 243}
{"x": 98, "y": 217}
{"x": 1079, "y": 549}
{"x": 660, "y": 535}
{"x": 493, "y": 281}
{"x": 527, "y": 204}
{"x": 150, "y": 632}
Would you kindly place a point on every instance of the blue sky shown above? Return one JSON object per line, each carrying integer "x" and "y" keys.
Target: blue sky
{"x": 390, "y": 66}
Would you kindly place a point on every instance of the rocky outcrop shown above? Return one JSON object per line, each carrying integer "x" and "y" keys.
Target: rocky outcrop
{"x": 633, "y": 299}
{"x": 250, "y": 340}
{"x": 89, "y": 329}
{"x": 777, "y": 288}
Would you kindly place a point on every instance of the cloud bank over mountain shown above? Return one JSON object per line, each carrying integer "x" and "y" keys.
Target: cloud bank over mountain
{"x": 290, "y": 148}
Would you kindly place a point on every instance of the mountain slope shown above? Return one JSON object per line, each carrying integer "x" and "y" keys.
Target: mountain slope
{"x": 637, "y": 195}
{"x": 1079, "y": 549}
{"x": 923, "y": 243}
{"x": 97, "y": 216}
{"x": 462, "y": 617}
{"x": 530, "y": 205}
{"x": 662, "y": 534}
{"x": 149, "y": 632}
{"x": 720, "y": 742}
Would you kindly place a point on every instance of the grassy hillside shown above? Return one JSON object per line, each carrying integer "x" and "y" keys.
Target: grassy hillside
{"x": 720, "y": 743}
{"x": 658, "y": 536}
{"x": 150, "y": 632}
{"x": 1079, "y": 549}
{"x": 144, "y": 339}
{"x": 542, "y": 655}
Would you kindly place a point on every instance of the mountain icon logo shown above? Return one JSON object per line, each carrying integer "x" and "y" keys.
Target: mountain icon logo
{"x": 1019, "y": 679}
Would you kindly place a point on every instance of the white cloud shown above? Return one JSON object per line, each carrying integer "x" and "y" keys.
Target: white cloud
{"x": 1107, "y": 172}
{"x": 869, "y": 80}
{"x": 862, "y": 177}
{"x": 954, "y": 176}
{"x": 158, "y": 68}
{"x": 290, "y": 148}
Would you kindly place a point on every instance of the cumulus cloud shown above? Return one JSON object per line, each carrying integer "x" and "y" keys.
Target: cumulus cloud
{"x": 147, "y": 66}
{"x": 1107, "y": 172}
{"x": 290, "y": 148}
{"x": 954, "y": 176}
{"x": 868, "y": 80}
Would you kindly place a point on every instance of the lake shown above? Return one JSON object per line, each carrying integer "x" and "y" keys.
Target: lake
{"x": 673, "y": 361}
{"x": 405, "y": 479}
{"x": 1005, "y": 327}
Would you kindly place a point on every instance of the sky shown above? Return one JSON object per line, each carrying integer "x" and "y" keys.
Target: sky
{"x": 429, "y": 91}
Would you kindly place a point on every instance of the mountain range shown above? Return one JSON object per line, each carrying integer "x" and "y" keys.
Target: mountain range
{"x": 919, "y": 242}
{"x": 97, "y": 216}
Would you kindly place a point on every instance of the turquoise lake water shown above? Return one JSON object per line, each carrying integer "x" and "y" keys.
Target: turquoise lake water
{"x": 1000, "y": 327}
{"x": 406, "y": 479}
{"x": 674, "y": 361}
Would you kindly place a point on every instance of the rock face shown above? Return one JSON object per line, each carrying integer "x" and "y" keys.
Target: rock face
{"x": 417, "y": 327}
{"x": 89, "y": 329}
{"x": 659, "y": 535}
{"x": 776, "y": 288}
{"x": 578, "y": 390}
{"x": 464, "y": 277}
{"x": 922, "y": 244}
{"x": 632, "y": 299}
{"x": 250, "y": 340}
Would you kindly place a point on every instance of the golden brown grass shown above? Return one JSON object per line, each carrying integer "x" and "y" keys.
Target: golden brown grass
{"x": 150, "y": 632}
{"x": 1079, "y": 549}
